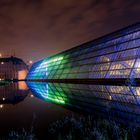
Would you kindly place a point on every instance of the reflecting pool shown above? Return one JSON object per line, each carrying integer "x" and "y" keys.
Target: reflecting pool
{"x": 34, "y": 105}
{"x": 19, "y": 109}
{"x": 117, "y": 102}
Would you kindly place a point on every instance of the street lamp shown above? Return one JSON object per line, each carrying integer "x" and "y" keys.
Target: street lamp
{"x": 30, "y": 62}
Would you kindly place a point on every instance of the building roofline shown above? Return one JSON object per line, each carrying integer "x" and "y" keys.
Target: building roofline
{"x": 110, "y": 36}
{"x": 12, "y": 59}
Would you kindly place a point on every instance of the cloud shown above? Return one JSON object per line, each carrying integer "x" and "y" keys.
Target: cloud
{"x": 46, "y": 27}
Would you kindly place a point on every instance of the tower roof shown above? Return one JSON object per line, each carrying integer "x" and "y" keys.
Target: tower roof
{"x": 13, "y": 59}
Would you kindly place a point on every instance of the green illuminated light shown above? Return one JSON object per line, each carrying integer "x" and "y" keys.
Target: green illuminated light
{"x": 60, "y": 101}
{"x": 44, "y": 68}
{"x": 53, "y": 60}
{"x": 47, "y": 92}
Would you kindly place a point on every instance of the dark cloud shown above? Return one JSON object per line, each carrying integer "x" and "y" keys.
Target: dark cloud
{"x": 38, "y": 28}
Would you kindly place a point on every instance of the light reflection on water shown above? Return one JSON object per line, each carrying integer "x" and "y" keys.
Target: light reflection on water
{"x": 12, "y": 93}
{"x": 51, "y": 101}
{"x": 18, "y": 106}
{"x": 121, "y": 103}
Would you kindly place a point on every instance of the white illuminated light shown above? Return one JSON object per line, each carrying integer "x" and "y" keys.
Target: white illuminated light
{"x": 137, "y": 66}
{"x": 110, "y": 98}
{"x": 1, "y": 106}
{"x": 31, "y": 95}
{"x": 3, "y": 99}
{"x": 30, "y": 62}
{"x": 137, "y": 63}
{"x": 45, "y": 93}
{"x": 2, "y": 63}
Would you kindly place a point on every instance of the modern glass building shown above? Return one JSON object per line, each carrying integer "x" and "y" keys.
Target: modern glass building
{"x": 114, "y": 56}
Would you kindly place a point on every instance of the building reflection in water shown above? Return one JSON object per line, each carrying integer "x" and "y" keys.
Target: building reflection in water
{"x": 13, "y": 93}
{"x": 117, "y": 102}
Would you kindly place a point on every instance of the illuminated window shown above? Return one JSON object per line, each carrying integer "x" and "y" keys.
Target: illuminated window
{"x": 22, "y": 74}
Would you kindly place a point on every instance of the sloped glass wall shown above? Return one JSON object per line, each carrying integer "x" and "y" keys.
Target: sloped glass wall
{"x": 116, "y": 55}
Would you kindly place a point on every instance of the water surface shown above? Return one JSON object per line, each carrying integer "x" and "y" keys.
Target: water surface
{"x": 38, "y": 104}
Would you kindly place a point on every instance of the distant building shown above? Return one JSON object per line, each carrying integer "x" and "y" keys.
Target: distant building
{"x": 12, "y": 68}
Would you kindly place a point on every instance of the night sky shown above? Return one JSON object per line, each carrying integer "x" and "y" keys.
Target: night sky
{"x": 34, "y": 29}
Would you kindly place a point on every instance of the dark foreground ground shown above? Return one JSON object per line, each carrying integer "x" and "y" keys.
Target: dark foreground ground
{"x": 80, "y": 128}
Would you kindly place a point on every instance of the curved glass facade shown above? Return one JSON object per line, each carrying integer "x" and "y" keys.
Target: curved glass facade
{"x": 116, "y": 55}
